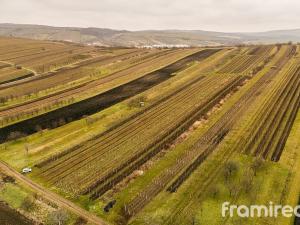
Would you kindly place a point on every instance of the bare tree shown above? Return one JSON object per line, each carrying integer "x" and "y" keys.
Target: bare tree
{"x": 58, "y": 217}
{"x": 137, "y": 102}
{"x": 2, "y": 100}
{"x": 257, "y": 165}
{"x": 26, "y": 147}
{"x": 89, "y": 120}
{"x": 247, "y": 181}
{"x": 233, "y": 188}
{"x": 230, "y": 169}
{"x": 28, "y": 204}
{"x": 214, "y": 191}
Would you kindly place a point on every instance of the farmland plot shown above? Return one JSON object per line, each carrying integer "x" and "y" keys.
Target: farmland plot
{"x": 136, "y": 149}
{"x": 182, "y": 211}
{"x": 245, "y": 63}
{"x": 206, "y": 144}
{"x": 103, "y": 100}
{"x": 154, "y": 131}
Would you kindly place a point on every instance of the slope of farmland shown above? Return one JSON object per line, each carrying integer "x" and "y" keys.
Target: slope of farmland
{"x": 103, "y": 100}
{"x": 97, "y": 76}
{"x": 63, "y": 75}
{"x": 270, "y": 133}
{"x": 43, "y": 56}
{"x": 46, "y": 143}
{"x": 246, "y": 62}
{"x": 183, "y": 208}
{"x": 88, "y": 71}
{"x": 152, "y": 136}
{"x": 195, "y": 156}
{"x": 136, "y": 149}
{"x": 184, "y": 211}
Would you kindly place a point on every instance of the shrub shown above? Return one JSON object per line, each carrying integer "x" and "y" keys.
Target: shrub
{"x": 8, "y": 179}
{"x": 28, "y": 204}
{"x": 230, "y": 169}
{"x": 136, "y": 102}
{"x": 257, "y": 165}
{"x": 15, "y": 135}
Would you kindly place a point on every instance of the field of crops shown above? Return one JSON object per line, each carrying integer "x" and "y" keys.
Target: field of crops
{"x": 171, "y": 113}
{"x": 96, "y": 103}
{"x": 200, "y": 150}
{"x": 245, "y": 63}
{"x": 154, "y": 136}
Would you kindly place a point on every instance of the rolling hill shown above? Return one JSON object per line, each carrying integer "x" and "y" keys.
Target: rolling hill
{"x": 109, "y": 37}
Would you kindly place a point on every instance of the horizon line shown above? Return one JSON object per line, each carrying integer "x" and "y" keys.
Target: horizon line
{"x": 139, "y": 30}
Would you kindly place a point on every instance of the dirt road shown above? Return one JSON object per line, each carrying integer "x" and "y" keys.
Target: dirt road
{"x": 60, "y": 201}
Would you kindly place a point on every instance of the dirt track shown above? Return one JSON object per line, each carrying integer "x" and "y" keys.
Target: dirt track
{"x": 60, "y": 201}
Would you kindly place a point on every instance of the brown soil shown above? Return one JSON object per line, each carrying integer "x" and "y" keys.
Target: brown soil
{"x": 9, "y": 216}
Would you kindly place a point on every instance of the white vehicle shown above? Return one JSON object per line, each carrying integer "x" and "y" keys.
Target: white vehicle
{"x": 26, "y": 170}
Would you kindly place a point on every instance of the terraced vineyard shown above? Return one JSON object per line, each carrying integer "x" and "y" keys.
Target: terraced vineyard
{"x": 173, "y": 116}
{"x": 243, "y": 64}
{"x": 153, "y": 136}
{"x": 202, "y": 148}
{"x": 182, "y": 213}
{"x": 269, "y": 134}
{"x": 103, "y": 100}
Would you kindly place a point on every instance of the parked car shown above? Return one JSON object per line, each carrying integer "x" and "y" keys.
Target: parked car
{"x": 26, "y": 170}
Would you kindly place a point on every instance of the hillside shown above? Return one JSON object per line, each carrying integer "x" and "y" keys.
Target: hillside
{"x": 109, "y": 37}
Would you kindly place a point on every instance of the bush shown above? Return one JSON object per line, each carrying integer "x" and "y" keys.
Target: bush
{"x": 136, "y": 102}
{"x": 18, "y": 67}
{"x": 28, "y": 204}
{"x": 15, "y": 135}
{"x": 8, "y": 179}
{"x": 230, "y": 169}
{"x": 247, "y": 181}
{"x": 257, "y": 165}
{"x": 214, "y": 191}
{"x": 3, "y": 100}
{"x": 80, "y": 221}
{"x": 89, "y": 120}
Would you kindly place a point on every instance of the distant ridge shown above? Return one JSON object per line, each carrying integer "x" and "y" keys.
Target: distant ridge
{"x": 110, "y": 37}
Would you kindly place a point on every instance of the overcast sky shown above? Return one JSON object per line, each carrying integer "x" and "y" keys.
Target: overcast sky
{"x": 217, "y": 15}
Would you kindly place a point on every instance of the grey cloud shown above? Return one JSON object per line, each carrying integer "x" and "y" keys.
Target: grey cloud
{"x": 220, "y": 15}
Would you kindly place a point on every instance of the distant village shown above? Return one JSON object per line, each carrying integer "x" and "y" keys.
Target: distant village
{"x": 164, "y": 46}
{"x": 149, "y": 46}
